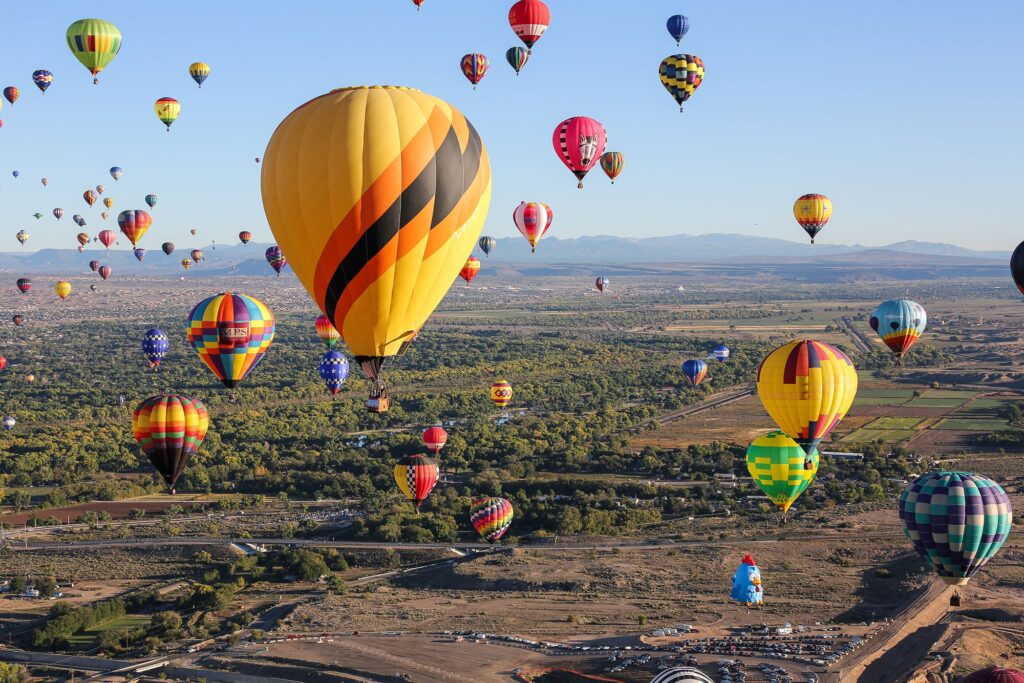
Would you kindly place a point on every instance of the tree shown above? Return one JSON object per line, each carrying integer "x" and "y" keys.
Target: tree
{"x": 18, "y": 584}
{"x": 167, "y": 624}
{"x": 336, "y": 585}
{"x": 47, "y": 587}
{"x": 13, "y": 673}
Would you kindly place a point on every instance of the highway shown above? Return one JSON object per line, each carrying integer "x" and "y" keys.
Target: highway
{"x": 863, "y": 344}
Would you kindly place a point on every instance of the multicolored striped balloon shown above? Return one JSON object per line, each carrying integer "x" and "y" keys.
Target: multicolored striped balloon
{"x": 43, "y": 79}
{"x": 94, "y": 43}
{"x": 517, "y": 58}
{"x": 491, "y": 517}
{"x": 579, "y": 142}
{"x": 167, "y": 110}
{"x": 325, "y": 330}
{"x": 681, "y": 75}
{"x": 230, "y": 332}
{"x": 532, "y": 219}
{"x": 487, "y": 244}
{"x": 276, "y": 259}
{"x": 169, "y": 430}
{"x": 957, "y": 521}
{"x": 695, "y": 371}
{"x": 416, "y": 476}
{"x": 807, "y": 387}
{"x": 334, "y": 370}
{"x": 134, "y": 224}
{"x": 155, "y": 346}
{"x": 780, "y": 468}
{"x": 474, "y": 67}
{"x": 24, "y": 284}
{"x": 812, "y": 212}
{"x": 900, "y": 323}
{"x": 612, "y": 164}
{"x": 12, "y": 94}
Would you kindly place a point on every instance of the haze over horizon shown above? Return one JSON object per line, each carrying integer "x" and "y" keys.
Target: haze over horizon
{"x": 868, "y": 120}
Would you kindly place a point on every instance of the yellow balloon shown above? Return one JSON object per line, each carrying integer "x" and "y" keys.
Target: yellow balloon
{"x": 377, "y": 195}
{"x": 62, "y": 288}
{"x": 807, "y": 387}
{"x": 812, "y": 212}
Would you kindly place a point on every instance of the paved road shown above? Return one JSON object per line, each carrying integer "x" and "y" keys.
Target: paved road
{"x": 860, "y": 340}
{"x": 715, "y": 401}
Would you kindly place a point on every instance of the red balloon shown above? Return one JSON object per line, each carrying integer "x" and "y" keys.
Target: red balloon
{"x": 94, "y": 265}
{"x": 3, "y": 362}
{"x": 107, "y": 237}
{"x": 529, "y": 19}
{"x": 434, "y": 438}
{"x": 105, "y": 271}
{"x": 995, "y": 675}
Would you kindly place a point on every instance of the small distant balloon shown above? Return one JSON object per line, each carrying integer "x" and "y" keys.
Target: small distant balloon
{"x": 199, "y": 71}
{"x": 43, "y": 79}
{"x": 517, "y": 58}
{"x": 474, "y": 67}
{"x": 168, "y": 248}
{"x": 12, "y": 94}
{"x": 677, "y": 26}
{"x": 151, "y": 200}
{"x": 167, "y": 110}
{"x": 116, "y": 172}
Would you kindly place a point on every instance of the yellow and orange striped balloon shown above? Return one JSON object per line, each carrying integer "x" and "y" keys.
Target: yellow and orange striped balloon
{"x": 501, "y": 393}
{"x": 378, "y": 195}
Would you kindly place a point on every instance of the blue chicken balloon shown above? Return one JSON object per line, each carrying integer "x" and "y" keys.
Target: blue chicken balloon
{"x": 155, "y": 346}
{"x": 334, "y": 370}
{"x": 746, "y": 583}
{"x": 677, "y": 26}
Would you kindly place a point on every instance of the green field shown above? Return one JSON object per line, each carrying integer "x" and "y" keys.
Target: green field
{"x": 893, "y": 423}
{"x": 936, "y": 402}
{"x": 885, "y": 393}
{"x": 892, "y": 436}
{"x": 128, "y": 622}
{"x": 973, "y": 425}
{"x": 949, "y": 393}
{"x": 878, "y": 401}
{"x": 988, "y": 404}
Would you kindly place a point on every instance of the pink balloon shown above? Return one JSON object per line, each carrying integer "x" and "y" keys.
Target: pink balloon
{"x": 579, "y": 142}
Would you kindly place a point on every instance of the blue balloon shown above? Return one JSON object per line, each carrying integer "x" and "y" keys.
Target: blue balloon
{"x": 746, "y": 583}
{"x": 15, "y": 173}
{"x": 695, "y": 371}
{"x": 721, "y": 352}
{"x": 155, "y": 345}
{"x": 334, "y": 370}
{"x": 677, "y": 26}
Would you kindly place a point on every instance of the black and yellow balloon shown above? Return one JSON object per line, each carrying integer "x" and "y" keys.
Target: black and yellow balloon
{"x": 377, "y": 195}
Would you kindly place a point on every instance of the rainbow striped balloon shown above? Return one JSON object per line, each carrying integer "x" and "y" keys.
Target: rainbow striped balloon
{"x": 957, "y": 521}
{"x": 231, "y": 332}
{"x": 169, "y": 430}
{"x": 416, "y": 476}
{"x": 491, "y": 517}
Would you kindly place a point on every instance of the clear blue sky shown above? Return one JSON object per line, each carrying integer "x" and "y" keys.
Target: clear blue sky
{"x": 907, "y": 114}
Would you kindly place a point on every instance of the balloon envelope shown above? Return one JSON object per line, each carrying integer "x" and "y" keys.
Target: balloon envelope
{"x": 681, "y": 75}
{"x": 231, "y": 332}
{"x": 169, "y": 430}
{"x": 900, "y": 323}
{"x": 94, "y": 43}
{"x": 812, "y": 212}
{"x": 695, "y": 371}
{"x": 780, "y": 468}
{"x": 325, "y": 330}
{"x": 434, "y": 438}
{"x": 579, "y": 142}
{"x": 501, "y": 393}
{"x": 491, "y": 517}
{"x": 529, "y": 20}
{"x": 677, "y": 26}
{"x": 334, "y": 370}
{"x": 470, "y": 270}
{"x": 416, "y": 476}
{"x": 155, "y": 346}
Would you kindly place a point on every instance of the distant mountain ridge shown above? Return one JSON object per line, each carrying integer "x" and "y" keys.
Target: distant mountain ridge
{"x": 238, "y": 259}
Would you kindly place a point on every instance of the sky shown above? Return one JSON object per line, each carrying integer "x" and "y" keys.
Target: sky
{"x": 908, "y": 114}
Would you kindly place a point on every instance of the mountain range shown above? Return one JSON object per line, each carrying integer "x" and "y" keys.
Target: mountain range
{"x": 513, "y": 252}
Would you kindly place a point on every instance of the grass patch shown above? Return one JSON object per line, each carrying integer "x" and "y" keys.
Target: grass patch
{"x": 890, "y": 435}
{"x": 989, "y": 404}
{"x": 893, "y": 423}
{"x": 973, "y": 425}
{"x": 878, "y": 401}
{"x": 885, "y": 393}
{"x": 949, "y": 393}
{"x": 936, "y": 402}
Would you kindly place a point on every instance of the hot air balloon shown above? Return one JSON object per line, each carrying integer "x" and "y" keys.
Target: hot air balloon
{"x": 62, "y": 288}
{"x": 377, "y": 287}
{"x": 199, "y": 71}
{"x": 81, "y": 249}
{"x": 9, "y": 422}
{"x": 957, "y": 521}
{"x": 517, "y": 58}
{"x": 900, "y": 323}
{"x": 601, "y": 283}
{"x": 30, "y": 378}
{"x": 22, "y": 236}
{"x": 780, "y": 468}
{"x": 491, "y": 517}
{"x": 334, "y": 370}
{"x": 151, "y": 200}
{"x": 37, "y": 215}
{"x": 168, "y": 248}
{"x": 695, "y": 371}
{"x": 93, "y": 287}
{"x": 257, "y": 160}
{"x": 12, "y": 94}
{"x": 470, "y": 270}
{"x": 677, "y": 26}
{"x": 746, "y": 583}
{"x": 681, "y": 674}
{"x": 15, "y": 173}
{"x": 107, "y": 237}
{"x": 812, "y": 212}
{"x": 170, "y": 429}
{"x": 140, "y": 253}
{"x": 231, "y": 332}
{"x": 434, "y": 438}
{"x": 994, "y": 674}
{"x": 612, "y": 164}
{"x": 487, "y": 244}
{"x": 325, "y": 330}
{"x": 721, "y": 353}
{"x": 474, "y": 67}
{"x": 3, "y": 362}
{"x": 105, "y": 271}
{"x": 244, "y": 237}
{"x": 100, "y": 189}
{"x": 501, "y": 393}
{"x": 529, "y": 19}
{"x": 807, "y": 386}
{"x": 681, "y": 75}
{"x": 155, "y": 346}
{"x": 186, "y": 263}
{"x": 94, "y": 265}
{"x": 579, "y": 142}
{"x": 78, "y": 220}
{"x": 83, "y": 238}
{"x": 276, "y": 259}
{"x": 134, "y": 224}
{"x": 418, "y": 3}
{"x": 44, "y": 181}
{"x": 108, "y": 202}
{"x": 116, "y": 172}
{"x": 89, "y": 196}
{"x": 43, "y": 79}
{"x": 18, "y": 320}
{"x": 532, "y": 219}
{"x": 416, "y": 476}
{"x": 24, "y": 284}
{"x": 167, "y": 110}
{"x": 94, "y": 43}
{"x": 194, "y": 232}
{"x": 197, "y": 255}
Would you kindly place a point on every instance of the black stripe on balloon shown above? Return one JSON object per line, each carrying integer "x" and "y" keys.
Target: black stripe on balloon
{"x": 439, "y": 180}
